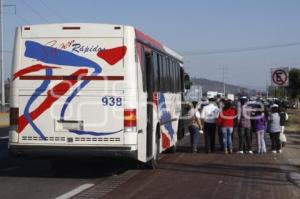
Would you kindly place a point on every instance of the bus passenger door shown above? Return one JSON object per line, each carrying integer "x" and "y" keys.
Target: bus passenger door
{"x": 149, "y": 81}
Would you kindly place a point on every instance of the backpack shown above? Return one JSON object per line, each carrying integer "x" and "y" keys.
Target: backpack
{"x": 193, "y": 120}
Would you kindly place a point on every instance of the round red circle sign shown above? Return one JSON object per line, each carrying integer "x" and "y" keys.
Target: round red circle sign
{"x": 279, "y": 77}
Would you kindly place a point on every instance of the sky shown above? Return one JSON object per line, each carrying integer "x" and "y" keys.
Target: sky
{"x": 210, "y": 34}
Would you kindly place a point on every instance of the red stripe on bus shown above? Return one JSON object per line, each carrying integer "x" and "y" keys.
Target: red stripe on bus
{"x": 31, "y": 69}
{"x": 52, "y": 95}
{"x": 42, "y": 77}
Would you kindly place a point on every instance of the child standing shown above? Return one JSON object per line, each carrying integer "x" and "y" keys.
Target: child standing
{"x": 260, "y": 128}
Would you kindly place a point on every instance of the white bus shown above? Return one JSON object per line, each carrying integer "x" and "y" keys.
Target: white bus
{"x": 82, "y": 89}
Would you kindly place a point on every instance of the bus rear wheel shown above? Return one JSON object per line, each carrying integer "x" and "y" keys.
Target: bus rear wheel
{"x": 172, "y": 149}
{"x": 153, "y": 163}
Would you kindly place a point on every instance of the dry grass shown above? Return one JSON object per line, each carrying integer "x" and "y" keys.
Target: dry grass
{"x": 294, "y": 120}
{"x": 4, "y": 120}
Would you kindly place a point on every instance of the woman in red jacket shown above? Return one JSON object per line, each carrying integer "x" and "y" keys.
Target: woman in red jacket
{"x": 226, "y": 121}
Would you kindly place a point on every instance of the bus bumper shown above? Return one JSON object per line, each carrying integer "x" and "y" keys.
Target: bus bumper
{"x": 71, "y": 151}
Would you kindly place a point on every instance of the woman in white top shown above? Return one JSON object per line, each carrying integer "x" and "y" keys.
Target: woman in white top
{"x": 275, "y": 129}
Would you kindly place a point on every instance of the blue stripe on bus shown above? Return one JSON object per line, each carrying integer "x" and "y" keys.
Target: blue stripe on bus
{"x": 78, "y": 132}
{"x": 42, "y": 88}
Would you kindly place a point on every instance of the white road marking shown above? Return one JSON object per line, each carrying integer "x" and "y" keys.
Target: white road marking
{"x": 4, "y": 138}
{"x": 75, "y": 191}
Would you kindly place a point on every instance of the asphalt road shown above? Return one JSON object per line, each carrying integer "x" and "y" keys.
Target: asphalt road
{"x": 181, "y": 175}
{"x": 36, "y": 179}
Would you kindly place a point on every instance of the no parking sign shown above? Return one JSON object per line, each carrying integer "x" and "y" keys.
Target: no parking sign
{"x": 280, "y": 76}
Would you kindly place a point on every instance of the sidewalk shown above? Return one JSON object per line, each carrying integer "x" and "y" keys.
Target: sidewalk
{"x": 186, "y": 175}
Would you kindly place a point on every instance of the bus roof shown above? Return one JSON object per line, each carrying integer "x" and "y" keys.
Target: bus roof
{"x": 153, "y": 43}
{"x": 98, "y": 29}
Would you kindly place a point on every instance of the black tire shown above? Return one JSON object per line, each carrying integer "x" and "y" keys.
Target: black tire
{"x": 153, "y": 163}
{"x": 172, "y": 149}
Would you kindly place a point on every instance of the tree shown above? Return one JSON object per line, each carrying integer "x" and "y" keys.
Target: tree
{"x": 278, "y": 92}
{"x": 294, "y": 85}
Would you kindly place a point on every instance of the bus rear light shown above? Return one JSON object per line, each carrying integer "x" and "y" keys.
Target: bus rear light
{"x": 130, "y": 120}
{"x": 27, "y": 28}
{"x": 13, "y": 116}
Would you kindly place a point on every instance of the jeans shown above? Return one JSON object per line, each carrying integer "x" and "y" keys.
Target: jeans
{"x": 276, "y": 145}
{"x": 209, "y": 135}
{"x": 244, "y": 139}
{"x": 227, "y": 136}
{"x": 261, "y": 145}
{"x": 220, "y": 136}
{"x": 195, "y": 135}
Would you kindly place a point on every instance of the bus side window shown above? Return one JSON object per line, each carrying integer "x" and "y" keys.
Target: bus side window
{"x": 155, "y": 71}
{"x": 177, "y": 77}
{"x": 173, "y": 77}
{"x": 165, "y": 74}
{"x": 161, "y": 73}
{"x": 168, "y": 75}
{"x": 182, "y": 80}
{"x": 143, "y": 67}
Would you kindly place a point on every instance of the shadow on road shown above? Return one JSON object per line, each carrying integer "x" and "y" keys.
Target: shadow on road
{"x": 66, "y": 168}
{"x": 60, "y": 168}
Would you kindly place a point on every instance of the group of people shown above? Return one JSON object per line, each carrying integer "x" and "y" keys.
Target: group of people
{"x": 224, "y": 117}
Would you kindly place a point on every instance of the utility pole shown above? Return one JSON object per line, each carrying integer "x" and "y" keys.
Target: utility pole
{"x": 2, "y": 58}
{"x": 267, "y": 84}
{"x": 2, "y": 51}
{"x": 224, "y": 85}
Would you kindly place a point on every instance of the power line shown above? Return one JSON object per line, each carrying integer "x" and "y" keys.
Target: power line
{"x": 34, "y": 11}
{"x": 237, "y": 50}
{"x": 52, "y": 10}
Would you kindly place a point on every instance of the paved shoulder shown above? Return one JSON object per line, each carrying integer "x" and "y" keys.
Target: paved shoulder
{"x": 186, "y": 175}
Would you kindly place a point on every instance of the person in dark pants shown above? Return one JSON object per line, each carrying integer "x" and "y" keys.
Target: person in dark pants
{"x": 275, "y": 129}
{"x": 209, "y": 115}
{"x": 244, "y": 128}
{"x": 220, "y": 136}
{"x": 283, "y": 118}
{"x": 244, "y": 140}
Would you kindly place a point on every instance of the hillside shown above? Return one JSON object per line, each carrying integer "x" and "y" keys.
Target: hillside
{"x": 211, "y": 85}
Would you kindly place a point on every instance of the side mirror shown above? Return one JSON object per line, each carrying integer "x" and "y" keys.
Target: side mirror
{"x": 187, "y": 82}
